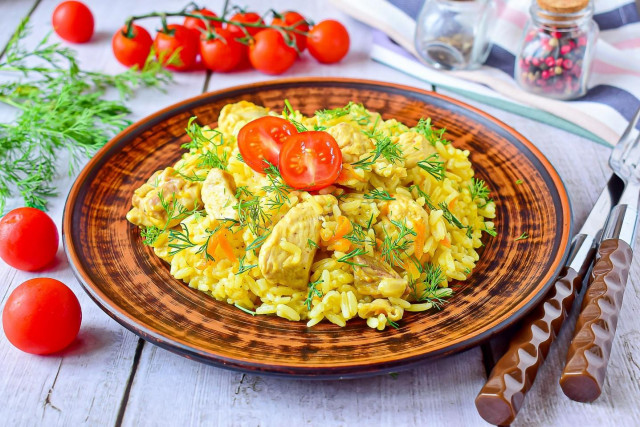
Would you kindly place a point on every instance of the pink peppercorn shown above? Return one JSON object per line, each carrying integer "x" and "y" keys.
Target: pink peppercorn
{"x": 545, "y": 74}
{"x": 550, "y": 61}
{"x": 535, "y": 62}
{"x": 559, "y": 62}
{"x": 565, "y": 49}
{"x": 567, "y": 64}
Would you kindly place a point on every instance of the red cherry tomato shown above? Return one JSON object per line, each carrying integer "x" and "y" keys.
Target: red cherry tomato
{"x": 73, "y": 21}
{"x": 244, "y": 18}
{"x": 328, "y": 41}
{"x": 178, "y": 39}
{"x": 134, "y": 50}
{"x": 28, "y": 239}
{"x": 270, "y": 54}
{"x": 310, "y": 160}
{"x": 196, "y": 25}
{"x": 42, "y": 316}
{"x": 222, "y": 53}
{"x": 261, "y": 139}
{"x": 287, "y": 19}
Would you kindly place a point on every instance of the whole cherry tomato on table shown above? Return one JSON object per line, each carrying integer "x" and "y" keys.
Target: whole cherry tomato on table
{"x": 245, "y": 18}
{"x": 176, "y": 48}
{"x": 28, "y": 239}
{"x": 261, "y": 140}
{"x": 310, "y": 160}
{"x": 41, "y": 316}
{"x": 328, "y": 41}
{"x": 199, "y": 25}
{"x": 73, "y": 21}
{"x": 270, "y": 54}
{"x": 221, "y": 52}
{"x": 133, "y": 48}
{"x": 286, "y": 19}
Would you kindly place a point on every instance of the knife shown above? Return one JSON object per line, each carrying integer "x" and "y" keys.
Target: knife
{"x": 502, "y": 396}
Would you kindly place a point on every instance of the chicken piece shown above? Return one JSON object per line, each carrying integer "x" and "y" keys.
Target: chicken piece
{"x": 405, "y": 209}
{"x": 179, "y": 196}
{"x": 234, "y": 116}
{"x": 218, "y": 195}
{"x": 351, "y": 141}
{"x": 376, "y": 278}
{"x": 415, "y": 148}
{"x": 286, "y": 255}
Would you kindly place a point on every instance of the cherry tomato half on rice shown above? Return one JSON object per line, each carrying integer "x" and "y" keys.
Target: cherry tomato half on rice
{"x": 262, "y": 139}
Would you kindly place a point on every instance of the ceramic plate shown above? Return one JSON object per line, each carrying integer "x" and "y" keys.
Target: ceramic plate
{"x": 134, "y": 287}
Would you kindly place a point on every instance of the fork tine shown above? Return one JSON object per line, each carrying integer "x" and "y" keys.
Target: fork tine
{"x": 625, "y": 145}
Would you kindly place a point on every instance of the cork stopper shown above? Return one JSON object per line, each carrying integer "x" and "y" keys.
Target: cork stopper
{"x": 562, "y": 6}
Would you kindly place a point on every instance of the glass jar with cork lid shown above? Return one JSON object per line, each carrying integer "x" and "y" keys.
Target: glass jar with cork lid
{"x": 557, "y": 48}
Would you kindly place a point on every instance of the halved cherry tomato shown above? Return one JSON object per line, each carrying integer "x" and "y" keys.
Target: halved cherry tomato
{"x": 310, "y": 160}
{"x": 270, "y": 54}
{"x": 286, "y": 19}
{"x": 134, "y": 50}
{"x": 222, "y": 53}
{"x": 262, "y": 139}
{"x": 196, "y": 25}
{"x": 177, "y": 48}
{"x": 328, "y": 41}
{"x": 244, "y": 18}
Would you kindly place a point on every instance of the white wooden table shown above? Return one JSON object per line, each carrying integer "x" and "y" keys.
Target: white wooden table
{"x": 111, "y": 377}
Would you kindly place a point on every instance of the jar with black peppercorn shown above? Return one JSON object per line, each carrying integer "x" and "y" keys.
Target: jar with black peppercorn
{"x": 557, "y": 48}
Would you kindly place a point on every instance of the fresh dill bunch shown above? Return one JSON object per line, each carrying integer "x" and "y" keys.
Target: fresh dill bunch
{"x": 425, "y": 129}
{"x": 60, "y": 107}
{"x": 433, "y": 166}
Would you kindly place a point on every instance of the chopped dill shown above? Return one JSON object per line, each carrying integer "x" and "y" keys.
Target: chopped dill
{"x": 358, "y": 235}
{"x": 384, "y": 147}
{"x": 393, "y": 248}
{"x": 451, "y": 219}
{"x": 425, "y": 129}
{"x": 432, "y": 293}
{"x": 183, "y": 239}
{"x": 354, "y": 253}
{"x": 326, "y": 115}
{"x": 288, "y": 113}
{"x": 490, "y": 231}
{"x": 210, "y": 159}
{"x": 191, "y": 178}
{"x": 433, "y": 166}
{"x": 478, "y": 189}
{"x": 242, "y": 267}
{"x": 174, "y": 211}
{"x": 376, "y": 194}
{"x": 257, "y": 242}
{"x": 312, "y": 244}
{"x": 427, "y": 198}
{"x": 251, "y": 214}
{"x": 519, "y": 182}
{"x": 523, "y": 236}
{"x": 277, "y": 187}
{"x": 392, "y": 323}
{"x": 313, "y": 291}
{"x": 246, "y": 310}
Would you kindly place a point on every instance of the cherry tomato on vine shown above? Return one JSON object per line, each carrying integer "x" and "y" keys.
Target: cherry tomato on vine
{"x": 261, "y": 139}
{"x": 270, "y": 54}
{"x": 286, "y": 19}
{"x": 222, "y": 53}
{"x": 310, "y": 160}
{"x": 132, "y": 49}
{"x": 196, "y": 25}
{"x": 328, "y": 41}
{"x": 41, "y": 316}
{"x": 73, "y": 21}
{"x": 28, "y": 239}
{"x": 245, "y": 18}
{"x": 177, "y": 48}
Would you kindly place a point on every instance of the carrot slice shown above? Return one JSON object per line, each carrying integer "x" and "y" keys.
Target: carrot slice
{"x": 421, "y": 235}
{"x": 452, "y": 203}
{"x": 341, "y": 245}
{"x": 446, "y": 242}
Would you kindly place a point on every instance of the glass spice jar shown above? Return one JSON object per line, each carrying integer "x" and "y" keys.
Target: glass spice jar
{"x": 557, "y": 48}
{"x": 452, "y": 34}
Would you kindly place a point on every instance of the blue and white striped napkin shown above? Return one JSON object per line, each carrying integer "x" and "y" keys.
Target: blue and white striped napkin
{"x": 614, "y": 85}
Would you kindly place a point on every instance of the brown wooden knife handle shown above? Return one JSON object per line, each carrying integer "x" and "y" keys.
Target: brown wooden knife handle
{"x": 501, "y": 397}
{"x": 588, "y": 354}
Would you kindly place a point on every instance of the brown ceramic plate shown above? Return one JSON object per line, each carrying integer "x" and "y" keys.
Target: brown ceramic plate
{"x": 135, "y": 288}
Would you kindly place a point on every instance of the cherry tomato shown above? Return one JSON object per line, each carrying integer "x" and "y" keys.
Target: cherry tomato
{"x": 310, "y": 160}
{"x": 328, "y": 41}
{"x": 196, "y": 25}
{"x": 178, "y": 39}
{"x": 287, "y": 19}
{"x": 222, "y": 53}
{"x": 73, "y": 21}
{"x": 28, "y": 239}
{"x": 261, "y": 139}
{"x": 134, "y": 50}
{"x": 244, "y": 18}
{"x": 42, "y": 316}
{"x": 270, "y": 54}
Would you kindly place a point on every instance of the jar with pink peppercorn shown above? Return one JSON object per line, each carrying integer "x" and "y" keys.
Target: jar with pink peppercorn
{"x": 557, "y": 48}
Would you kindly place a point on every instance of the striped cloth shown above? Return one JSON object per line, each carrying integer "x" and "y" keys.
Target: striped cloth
{"x": 614, "y": 85}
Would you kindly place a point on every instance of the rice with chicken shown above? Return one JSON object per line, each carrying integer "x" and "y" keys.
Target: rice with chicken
{"x": 401, "y": 222}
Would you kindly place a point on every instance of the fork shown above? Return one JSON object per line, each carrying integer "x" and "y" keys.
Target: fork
{"x": 588, "y": 354}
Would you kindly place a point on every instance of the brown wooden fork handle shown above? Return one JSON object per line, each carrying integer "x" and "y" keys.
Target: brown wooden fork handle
{"x": 590, "y": 349}
{"x": 502, "y": 395}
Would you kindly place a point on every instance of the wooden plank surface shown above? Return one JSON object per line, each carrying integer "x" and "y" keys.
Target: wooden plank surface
{"x": 109, "y": 377}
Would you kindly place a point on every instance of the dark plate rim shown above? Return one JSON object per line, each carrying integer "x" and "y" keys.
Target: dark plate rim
{"x": 294, "y": 371}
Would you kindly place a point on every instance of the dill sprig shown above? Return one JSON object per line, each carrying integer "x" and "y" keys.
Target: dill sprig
{"x": 453, "y": 220}
{"x": 478, "y": 189}
{"x": 60, "y": 108}
{"x": 257, "y": 242}
{"x": 180, "y": 239}
{"x": 288, "y": 113}
{"x": 385, "y": 147}
{"x": 277, "y": 187}
{"x": 433, "y": 166}
{"x": 358, "y": 235}
{"x": 432, "y": 292}
{"x": 425, "y": 129}
{"x": 242, "y": 267}
{"x": 174, "y": 211}
{"x": 347, "y": 258}
{"x": 377, "y": 194}
{"x": 312, "y": 244}
{"x": 427, "y": 198}
{"x": 313, "y": 291}
{"x": 246, "y": 310}
{"x": 326, "y": 115}
{"x": 393, "y": 324}
{"x": 393, "y": 248}
{"x": 523, "y": 236}
{"x": 490, "y": 232}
